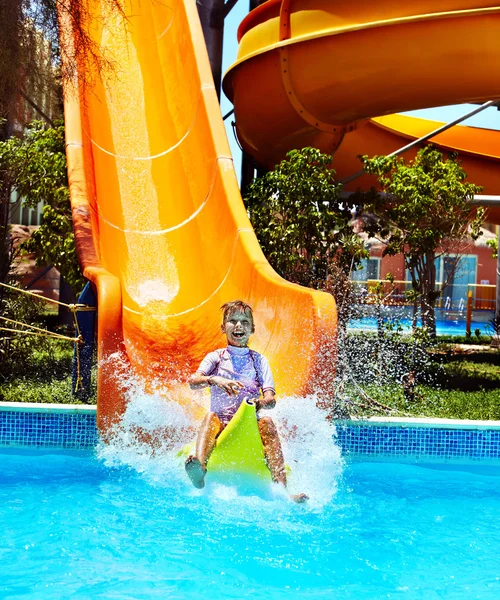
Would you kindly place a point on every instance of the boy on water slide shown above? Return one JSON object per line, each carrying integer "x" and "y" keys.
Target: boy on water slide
{"x": 234, "y": 374}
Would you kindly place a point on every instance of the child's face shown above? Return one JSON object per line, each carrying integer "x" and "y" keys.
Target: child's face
{"x": 238, "y": 328}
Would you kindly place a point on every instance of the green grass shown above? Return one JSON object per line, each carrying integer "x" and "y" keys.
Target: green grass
{"x": 437, "y": 402}
{"x": 482, "y": 340}
{"x": 56, "y": 391}
{"x": 464, "y": 386}
{"x": 44, "y": 375}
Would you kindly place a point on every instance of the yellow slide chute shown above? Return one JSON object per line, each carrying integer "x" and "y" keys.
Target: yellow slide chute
{"x": 239, "y": 450}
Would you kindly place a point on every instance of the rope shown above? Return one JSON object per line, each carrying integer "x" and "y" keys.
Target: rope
{"x": 38, "y": 331}
{"x": 78, "y": 307}
{"x": 73, "y": 309}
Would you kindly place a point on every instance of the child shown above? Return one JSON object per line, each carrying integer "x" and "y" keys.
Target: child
{"x": 236, "y": 373}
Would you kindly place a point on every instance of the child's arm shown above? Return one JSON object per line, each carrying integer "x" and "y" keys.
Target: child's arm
{"x": 268, "y": 399}
{"x": 231, "y": 387}
{"x": 198, "y": 381}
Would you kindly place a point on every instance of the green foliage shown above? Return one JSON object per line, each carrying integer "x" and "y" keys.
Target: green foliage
{"x": 449, "y": 385}
{"x": 55, "y": 391}
{"x": 432, "y": 402}
{"x": 302, "y": 225}
{"x": 33, "y": 368}
{"x": 495, "y": 326}
{"x": 472, "y": 372}
{"x": 445, "y": 341}
{"x": 36, "y": 166}
{"x": 45, "y": 376}
{"x": 493, "y": 244}
{"x": 426, "y": 202}
{"x": 425, "y": 207}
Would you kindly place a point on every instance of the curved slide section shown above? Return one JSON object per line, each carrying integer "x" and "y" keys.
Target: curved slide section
{"x": 479, "y": 150}
{"x": 314, "y": 72}
{"x": 160, "y": 227}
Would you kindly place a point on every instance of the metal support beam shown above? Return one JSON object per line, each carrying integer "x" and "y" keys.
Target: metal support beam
{"x": 247, "y": 162}
{"x": 212, "y": 13}
{"x": 486, "y": 200}
{"x": 228, "y": 6}
{"x": 247, "y": 172}
{"x": 428, "y": 136}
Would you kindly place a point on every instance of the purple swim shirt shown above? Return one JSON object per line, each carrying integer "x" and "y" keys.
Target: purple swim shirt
{"x": 240, "y": 364}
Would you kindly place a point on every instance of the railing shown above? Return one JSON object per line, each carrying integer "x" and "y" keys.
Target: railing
{"x": 483, "y": 296}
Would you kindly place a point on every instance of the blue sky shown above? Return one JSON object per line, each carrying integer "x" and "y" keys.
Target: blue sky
{"x": 489, "y": 118}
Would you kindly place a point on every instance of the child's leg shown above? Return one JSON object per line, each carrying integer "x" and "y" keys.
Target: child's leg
{"x": 272, "y": 450}
{"x": 274, "y": 455}
{"x": 207, "y": 436}
{"x": 196, "y": 466}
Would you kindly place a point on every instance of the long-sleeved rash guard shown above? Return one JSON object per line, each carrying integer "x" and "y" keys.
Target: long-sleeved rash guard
{"x": 240, "y": 364}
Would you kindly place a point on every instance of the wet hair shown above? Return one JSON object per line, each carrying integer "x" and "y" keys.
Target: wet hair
{"x": 230, "y": 308}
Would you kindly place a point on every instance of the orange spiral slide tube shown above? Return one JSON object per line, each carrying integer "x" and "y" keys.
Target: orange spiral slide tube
{"x": 329, "y": 74}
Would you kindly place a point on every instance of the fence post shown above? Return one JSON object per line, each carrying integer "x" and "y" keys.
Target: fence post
{"x": 82, "y": 362}
{"x": 468, "y": 318}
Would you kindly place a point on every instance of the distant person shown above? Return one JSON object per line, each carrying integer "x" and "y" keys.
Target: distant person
{"x": 235, "y": 374}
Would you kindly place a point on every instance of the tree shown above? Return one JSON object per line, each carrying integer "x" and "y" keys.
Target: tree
{"x": 35, "y": 165}
{"x": 302, "y": 225}
{"x": 423, "y": 209}
{"x": 29, "y": 50}
{"x": 29, "y": 28}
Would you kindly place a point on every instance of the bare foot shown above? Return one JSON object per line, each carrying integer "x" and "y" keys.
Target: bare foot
{"x": 196, "y": 472}
{"x": 299, "y": 498}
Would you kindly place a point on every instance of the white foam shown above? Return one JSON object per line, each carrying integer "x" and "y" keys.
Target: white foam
{"x": 309, "y": 449}
{"x": 152, "y": 431}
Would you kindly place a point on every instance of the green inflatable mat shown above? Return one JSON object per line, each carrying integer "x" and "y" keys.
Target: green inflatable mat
{"x": 239, "y": 449}
{"x": 239, "y": 453}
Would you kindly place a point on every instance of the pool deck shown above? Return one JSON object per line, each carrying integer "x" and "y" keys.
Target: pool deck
{"x": 74, "y": 426}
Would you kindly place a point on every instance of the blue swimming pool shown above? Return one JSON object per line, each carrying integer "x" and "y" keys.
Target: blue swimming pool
{"x": 446, "y": 324}
{"x": 74, "y": 526}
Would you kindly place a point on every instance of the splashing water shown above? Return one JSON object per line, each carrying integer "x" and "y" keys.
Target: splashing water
{"x": 149, "y": 436}
{"x": 309, "y": 449}
{"x": 154, "y": 429}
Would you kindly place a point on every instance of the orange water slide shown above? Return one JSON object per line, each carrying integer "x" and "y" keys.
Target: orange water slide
{"x": 160, "y": 226}
{"x": 329, "y": 74}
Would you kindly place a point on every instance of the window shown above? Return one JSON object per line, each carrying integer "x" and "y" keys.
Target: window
{"x": 457, "y": 272}
{"x": 370, "y": 269}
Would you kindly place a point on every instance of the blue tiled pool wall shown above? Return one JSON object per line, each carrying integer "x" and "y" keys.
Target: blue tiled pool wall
{"x": 418, "y": 442}
{"x": 47, "y": 430}
{"x": 78, "y": 430}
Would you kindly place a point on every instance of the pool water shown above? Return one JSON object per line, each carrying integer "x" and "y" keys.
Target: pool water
{"x": 457, "y": 327}
{"x": 74, "y": 526}
{"x": 446, "y": 324}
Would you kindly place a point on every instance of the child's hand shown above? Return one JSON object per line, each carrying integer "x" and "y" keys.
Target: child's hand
{"x": 230, "y": 386}
{"x": 269, "y": 401}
